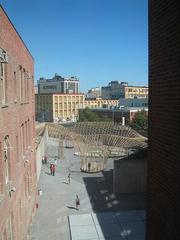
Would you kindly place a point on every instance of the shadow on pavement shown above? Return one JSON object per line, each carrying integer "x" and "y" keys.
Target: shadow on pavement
{"x": 71, "y": 207}
{"x": 100, "y": 191}
{"x": 109, "y": 207}
{"x": 65, "y": 182}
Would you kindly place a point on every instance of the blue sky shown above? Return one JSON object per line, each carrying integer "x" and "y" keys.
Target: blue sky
{"x": 95, "y": 40}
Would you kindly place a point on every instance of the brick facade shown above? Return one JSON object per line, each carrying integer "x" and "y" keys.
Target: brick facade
{"x": 17, "y": 133}
{"x": 163, "y": 200}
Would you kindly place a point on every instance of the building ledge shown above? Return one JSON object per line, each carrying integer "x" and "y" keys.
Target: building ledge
{"x": 4, "y": 105}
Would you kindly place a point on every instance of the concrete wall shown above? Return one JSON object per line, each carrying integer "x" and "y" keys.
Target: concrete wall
{"x": 41, "y": 151}
{"x": 130, "y": 176}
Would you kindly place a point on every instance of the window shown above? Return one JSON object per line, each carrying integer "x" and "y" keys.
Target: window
{"x": 17, "y": 149}
{"x": 22, "y": 139}
{"x": 29, "y": 133}
{"x": 2, "y": 83}
{"x": 3, "y": 80}
{"x": 21, "y": 83}
{"x": 26, "y": 135}
{"x": 15, "y": 85}
{"x": 6, "y": 158}
{"x": 9, "y": 227}
{"x": 32, "y": 87}
{"x": 25, "y": 85}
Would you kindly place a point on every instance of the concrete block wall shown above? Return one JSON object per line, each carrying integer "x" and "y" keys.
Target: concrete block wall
{"x": 130, "y": 176}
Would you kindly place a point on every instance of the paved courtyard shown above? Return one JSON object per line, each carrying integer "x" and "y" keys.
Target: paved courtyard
{"x": 124, "y": 225}
{"x": 57, "y": 214}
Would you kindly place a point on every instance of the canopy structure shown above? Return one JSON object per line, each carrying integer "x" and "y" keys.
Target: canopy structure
{"x": 95, "y": 142}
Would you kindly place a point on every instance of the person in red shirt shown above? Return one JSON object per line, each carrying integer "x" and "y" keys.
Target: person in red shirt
{"x": 53, "y": 167}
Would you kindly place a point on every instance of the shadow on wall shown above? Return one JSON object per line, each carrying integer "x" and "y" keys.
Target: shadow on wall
{"x": 100, "y": 190}
{"x": 115, "y": 216}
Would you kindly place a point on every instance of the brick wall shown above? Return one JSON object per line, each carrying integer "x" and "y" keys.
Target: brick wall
{"x": 163, "y": 202}
{"x": 16, "y": 125}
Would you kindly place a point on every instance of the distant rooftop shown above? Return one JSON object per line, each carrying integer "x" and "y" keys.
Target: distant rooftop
{"x": 57, "y": 93}
{"x": 124, "y": 109}
{"x": 57, "y": 78}
{"x": 122, "y": 83}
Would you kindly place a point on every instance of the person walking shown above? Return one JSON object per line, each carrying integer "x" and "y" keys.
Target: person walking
{"x": 69, "y": 178}
{"x": 77, "y": 202}
{"x": 53, "y": 169}
{"x": 89, "y": 166}
{"x": 45, "y": 159}
{"x": 55, "y": 161}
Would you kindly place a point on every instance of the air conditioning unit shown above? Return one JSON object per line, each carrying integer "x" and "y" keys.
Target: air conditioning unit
{"x": 3, "y": 56}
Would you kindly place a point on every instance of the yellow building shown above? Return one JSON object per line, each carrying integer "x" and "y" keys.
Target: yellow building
{"x": 58, "y": 107}
{"x": 100, "y": 103}
{"x": 136, "y": 92}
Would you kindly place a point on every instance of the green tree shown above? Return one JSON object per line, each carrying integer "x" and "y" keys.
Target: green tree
{"x": 87, "y": 115}
{"x": 140, "y": 121}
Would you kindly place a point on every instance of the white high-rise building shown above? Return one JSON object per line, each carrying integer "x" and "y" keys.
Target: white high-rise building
{"x": 58, "y": 84}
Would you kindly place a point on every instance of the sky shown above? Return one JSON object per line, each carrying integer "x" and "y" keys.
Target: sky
{"x": 96, "y": 40}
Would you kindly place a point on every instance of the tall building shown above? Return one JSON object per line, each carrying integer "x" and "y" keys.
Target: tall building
{"x": 114, "y": 90}
{"x": 163, "y": 199}
{"x": 94, "y": 93}
{"x": 17, "y": 133}
{"x": 100, "y": 103}
{"x": 118, "y": 90}
{"x": 58, "y": 107}
{"x": 135, "y": 92}
{"x": 58, "y": 84}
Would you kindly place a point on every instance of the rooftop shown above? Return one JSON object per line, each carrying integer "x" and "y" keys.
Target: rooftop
{"x": 66, "y": 94}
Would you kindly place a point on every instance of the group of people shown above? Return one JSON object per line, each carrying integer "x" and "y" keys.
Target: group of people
{"x": 52, "y": 172}
{"x": 52, "y": 165}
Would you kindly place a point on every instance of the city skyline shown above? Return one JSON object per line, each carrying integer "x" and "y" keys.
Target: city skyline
{"x": 97, "y": 41}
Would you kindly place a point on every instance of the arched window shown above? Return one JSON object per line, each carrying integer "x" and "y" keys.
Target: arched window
{"x": 6, "y": 158}
{"x": 3, "y": 83}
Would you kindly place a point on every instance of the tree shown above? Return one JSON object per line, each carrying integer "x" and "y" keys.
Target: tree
{"x": 87, "y": 115}
{"x": 140, "y": 121}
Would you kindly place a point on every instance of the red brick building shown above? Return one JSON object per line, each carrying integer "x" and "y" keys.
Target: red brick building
{"x": 17, "y": 133}
{"x": 163, "y": 200}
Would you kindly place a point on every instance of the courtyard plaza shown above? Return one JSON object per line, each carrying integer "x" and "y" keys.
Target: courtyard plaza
{"x": 101, "y": 214}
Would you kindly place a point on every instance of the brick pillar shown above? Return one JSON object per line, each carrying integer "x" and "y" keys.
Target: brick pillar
{"x": 163, "y": 200}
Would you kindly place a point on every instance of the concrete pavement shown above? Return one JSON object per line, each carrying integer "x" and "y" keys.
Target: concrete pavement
{"x": 58, "y": 197}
